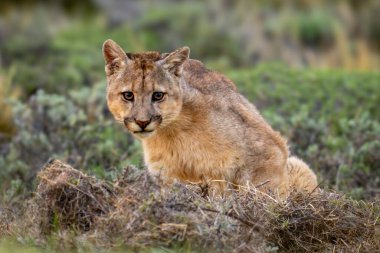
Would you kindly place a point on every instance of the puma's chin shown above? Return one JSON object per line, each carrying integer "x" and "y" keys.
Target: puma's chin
{"x": 144, "y": 134}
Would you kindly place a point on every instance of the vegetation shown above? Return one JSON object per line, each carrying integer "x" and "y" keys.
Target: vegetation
{"x": 53, "y": 106}
{"x": 329, "y": 117}
{"x": 316, "y": 110}
{"x": 73, "y": 211}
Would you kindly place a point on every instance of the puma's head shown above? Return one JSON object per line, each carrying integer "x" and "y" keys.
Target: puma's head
{"x": 144, "y": 90}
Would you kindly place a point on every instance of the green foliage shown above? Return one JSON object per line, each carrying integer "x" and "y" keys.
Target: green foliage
{"x": 322, "y": 113}
{"x": 54, "y": 66}
{"x": 315, "y": 28}
{"x": 14, "y": 246}
{"x": 330, "y": 118}
{"x": 76, "y": 128}
{"x": 70, "y": 59}
{"x": 158, "y": 26}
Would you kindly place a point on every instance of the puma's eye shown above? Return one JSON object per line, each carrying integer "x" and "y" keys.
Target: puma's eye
{"x": 157, "y": 96}
{"x": 128, "y": 95}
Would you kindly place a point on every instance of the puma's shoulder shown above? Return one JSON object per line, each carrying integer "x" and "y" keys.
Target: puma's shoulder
{"x": 205, "y": 80}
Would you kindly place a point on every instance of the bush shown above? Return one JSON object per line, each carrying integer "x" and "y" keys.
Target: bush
{"x": 320, "y": 114}
{"x": 76, "y": 128}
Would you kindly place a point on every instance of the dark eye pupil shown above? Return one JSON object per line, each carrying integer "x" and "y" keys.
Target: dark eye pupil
{"x": 128, "y": 95}
{"x": 158, "y": 95}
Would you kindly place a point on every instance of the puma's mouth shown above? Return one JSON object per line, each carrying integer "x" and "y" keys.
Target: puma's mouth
{"x": 143, "y": 133}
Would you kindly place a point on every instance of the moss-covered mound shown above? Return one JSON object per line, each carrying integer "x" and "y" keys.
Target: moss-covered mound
{"x": 135, "y": 212}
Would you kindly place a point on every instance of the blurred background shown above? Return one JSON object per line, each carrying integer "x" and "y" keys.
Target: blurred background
{"x": 311, "y": 67}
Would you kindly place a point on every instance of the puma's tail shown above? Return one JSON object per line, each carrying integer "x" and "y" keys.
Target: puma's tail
{"x": 301, "y": 177}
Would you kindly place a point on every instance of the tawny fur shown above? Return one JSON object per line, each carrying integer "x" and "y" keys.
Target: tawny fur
{"x": 203, "y": 130}
{"x": 300, "y": 175}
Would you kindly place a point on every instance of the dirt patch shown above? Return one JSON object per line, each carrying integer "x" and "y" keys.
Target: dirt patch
{"x": 137, "y": 212}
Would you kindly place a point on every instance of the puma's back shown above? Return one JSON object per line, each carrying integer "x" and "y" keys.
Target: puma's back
{"x": 193, "y": 124}
{"x": 198, "y": 76}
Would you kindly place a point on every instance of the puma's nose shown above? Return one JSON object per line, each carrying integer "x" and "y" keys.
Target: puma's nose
{"x": 142, "y": 123}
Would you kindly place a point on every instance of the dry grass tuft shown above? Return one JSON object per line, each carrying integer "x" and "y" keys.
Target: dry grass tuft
{"x": 325, "y": 221}
{"x": 136, "y": 212}
{"x": 70, "y": 199}
{"x": 6, "y": 218}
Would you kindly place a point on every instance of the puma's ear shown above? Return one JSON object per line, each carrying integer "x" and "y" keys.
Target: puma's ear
{"x": 114, "y": 56}
{"x": 173, "y": 61}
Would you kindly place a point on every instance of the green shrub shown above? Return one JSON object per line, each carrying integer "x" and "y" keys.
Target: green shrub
{"x": 69, "y": 60}
{"x": 76, "y": 128}
{"x": 315, "y": 28}
{"x": 329, "y": 117}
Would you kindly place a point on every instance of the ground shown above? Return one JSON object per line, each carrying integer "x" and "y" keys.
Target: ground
{"x": 52, "y": 95}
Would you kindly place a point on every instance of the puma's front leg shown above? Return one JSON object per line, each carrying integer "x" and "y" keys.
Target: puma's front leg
{"x": 157, "y": 172}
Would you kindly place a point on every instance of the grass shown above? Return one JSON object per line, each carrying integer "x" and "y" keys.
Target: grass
{"x": 317, "y": 110}
{"x": 72, "y": 211}
{"x": 330, "y": 118}
{"x": 53, "y": 106}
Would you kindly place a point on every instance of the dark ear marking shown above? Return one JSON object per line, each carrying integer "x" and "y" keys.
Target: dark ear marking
{"x": 173, "y": 62}
{"x": 129, "y": 55}
{"x": 114, "y": 56}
